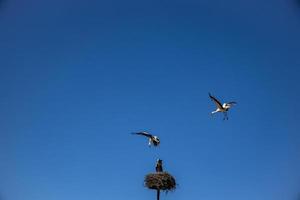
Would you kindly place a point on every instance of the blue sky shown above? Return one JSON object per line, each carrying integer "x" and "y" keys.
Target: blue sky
{"x": 76, "y": 77}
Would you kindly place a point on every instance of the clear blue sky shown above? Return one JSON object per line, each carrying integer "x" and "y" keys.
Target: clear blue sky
{"x": 76, "y": 77}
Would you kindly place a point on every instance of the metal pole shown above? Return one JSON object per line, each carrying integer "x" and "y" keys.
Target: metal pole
{"x": 158, "y": 194}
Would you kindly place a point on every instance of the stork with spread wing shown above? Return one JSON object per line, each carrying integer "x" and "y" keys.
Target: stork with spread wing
{"x": 151, "y": 138}
{"x": 221, "y": 107}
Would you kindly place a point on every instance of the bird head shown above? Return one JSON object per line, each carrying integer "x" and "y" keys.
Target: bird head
{"x": 226, "y": 105}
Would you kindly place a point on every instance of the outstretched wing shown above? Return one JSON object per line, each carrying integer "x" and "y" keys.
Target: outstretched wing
{"x": 217, "y": 102}
{"x": 232, "y": 103}
{"x": 143, "y": 133}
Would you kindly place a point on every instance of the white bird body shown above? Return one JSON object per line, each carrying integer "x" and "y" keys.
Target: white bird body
{"x": 221, "y": 107}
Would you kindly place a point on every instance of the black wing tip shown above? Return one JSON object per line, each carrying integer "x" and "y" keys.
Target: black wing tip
{"x": 137, "y": 133}
{"x": 140, "y": 133}
{"x": 210, "y": 95}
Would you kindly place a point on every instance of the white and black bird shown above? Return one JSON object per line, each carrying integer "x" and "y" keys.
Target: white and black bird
{"x": 158, "y": 166}
{"x": 221, "y": 107}
{"x": 153, "y": 140}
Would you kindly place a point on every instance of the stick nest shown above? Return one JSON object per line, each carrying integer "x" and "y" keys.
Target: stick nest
{"x": 160, "y": 181}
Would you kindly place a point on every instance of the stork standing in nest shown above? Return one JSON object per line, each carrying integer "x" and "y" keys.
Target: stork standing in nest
{"x": 158, "y": 166}
{"x": 221, "y": 107}
{"x": 152, "y": 139}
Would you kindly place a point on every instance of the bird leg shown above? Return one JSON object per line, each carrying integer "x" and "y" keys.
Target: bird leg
{"x": 225, "y": 116}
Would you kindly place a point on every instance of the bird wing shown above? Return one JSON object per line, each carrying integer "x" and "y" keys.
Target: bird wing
{"x": 217, "y": 102}
{"x": 143, "y": 133}
{"x": 232, "y": 102}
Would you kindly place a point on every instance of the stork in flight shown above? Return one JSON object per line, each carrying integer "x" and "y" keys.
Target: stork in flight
{"x": 221, "y": 108}
{"x": 152, "y": 138}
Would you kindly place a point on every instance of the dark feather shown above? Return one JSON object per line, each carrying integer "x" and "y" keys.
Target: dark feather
{"x": 232, "y": 102}
{"x": 143, "y": 133}
{"x": 217, "y": 102}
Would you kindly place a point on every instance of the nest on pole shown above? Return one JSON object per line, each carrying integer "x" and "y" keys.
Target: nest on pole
{"x": 160, "y": 181}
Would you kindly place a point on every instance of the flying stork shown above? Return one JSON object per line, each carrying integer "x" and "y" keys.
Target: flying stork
{"x": 221, "y": 108}
{"x": 152, "y": 138}
{"x": 158, "y": 166}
